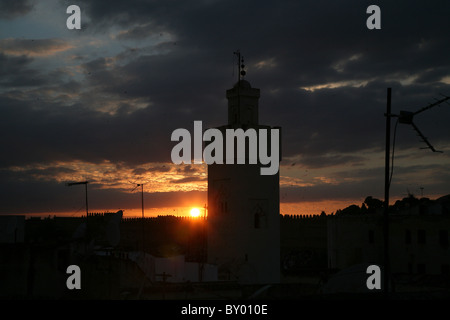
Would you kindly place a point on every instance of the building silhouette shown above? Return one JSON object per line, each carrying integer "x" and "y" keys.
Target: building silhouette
{"x": 419, "y": 238}
{"x": 243, "y": 205}
{"x": 320, "y": 255}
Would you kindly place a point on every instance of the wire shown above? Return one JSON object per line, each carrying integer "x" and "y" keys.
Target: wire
{"x": 393, "y": 151}
{"x": 77, "y": 211}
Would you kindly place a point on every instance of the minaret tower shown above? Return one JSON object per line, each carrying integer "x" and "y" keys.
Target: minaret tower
{"x": 243, "y": 205}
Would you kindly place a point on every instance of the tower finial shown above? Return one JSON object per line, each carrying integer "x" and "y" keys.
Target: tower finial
{"x": 242, "y": 71}
{"x": 241, "y": 65}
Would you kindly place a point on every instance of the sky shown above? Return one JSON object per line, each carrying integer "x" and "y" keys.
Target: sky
{"x": 99, "y": 104}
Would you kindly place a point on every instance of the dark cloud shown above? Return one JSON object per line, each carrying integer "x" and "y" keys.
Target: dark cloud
{"x": 326, "y": 160}
{"x": 434, "y": 74}
{"x": 346, "y": 119}
{"x": 77, "y": 132}
{"x": 10, "y": 9}
{"x": 140, "y": 32}
{"x": 191, "y": 79}
{"x": 16, "y": 72}
{"x": 331, "y": 192}
{"x": 305, "y": 39}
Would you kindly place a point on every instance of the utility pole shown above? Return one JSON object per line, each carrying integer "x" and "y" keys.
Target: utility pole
{"x": 386, "y": 195}
{"x": 405, "y": 117}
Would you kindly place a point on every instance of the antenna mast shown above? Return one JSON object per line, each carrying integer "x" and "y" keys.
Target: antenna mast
{"x": 406, "y": 117}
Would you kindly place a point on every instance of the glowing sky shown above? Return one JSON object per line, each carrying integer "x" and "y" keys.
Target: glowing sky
{"x": 100, "y": 103}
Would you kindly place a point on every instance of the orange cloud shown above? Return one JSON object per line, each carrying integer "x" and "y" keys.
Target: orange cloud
{"x": 156, "y": 177}
{"x": 31, "y": 47}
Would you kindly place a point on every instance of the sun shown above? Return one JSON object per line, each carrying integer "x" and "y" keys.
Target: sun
{"x": 195, "y": 212}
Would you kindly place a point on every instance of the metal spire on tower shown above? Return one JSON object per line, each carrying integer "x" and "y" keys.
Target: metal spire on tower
{"x": 241, "y": 65}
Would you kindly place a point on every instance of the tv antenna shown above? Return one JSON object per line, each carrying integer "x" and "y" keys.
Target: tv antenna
{"x": 142, "y": 194}
{"x": 406, "y": 117}
{"x": 85, "y": 183}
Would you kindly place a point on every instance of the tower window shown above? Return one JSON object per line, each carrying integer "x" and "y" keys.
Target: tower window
{"x": 259, "y": 218}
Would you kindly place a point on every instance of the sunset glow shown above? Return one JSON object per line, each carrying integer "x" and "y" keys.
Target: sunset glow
{"x": 195, "y": 212}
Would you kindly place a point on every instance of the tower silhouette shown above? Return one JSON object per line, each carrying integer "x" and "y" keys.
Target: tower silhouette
{"x": 243, "y": 205}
